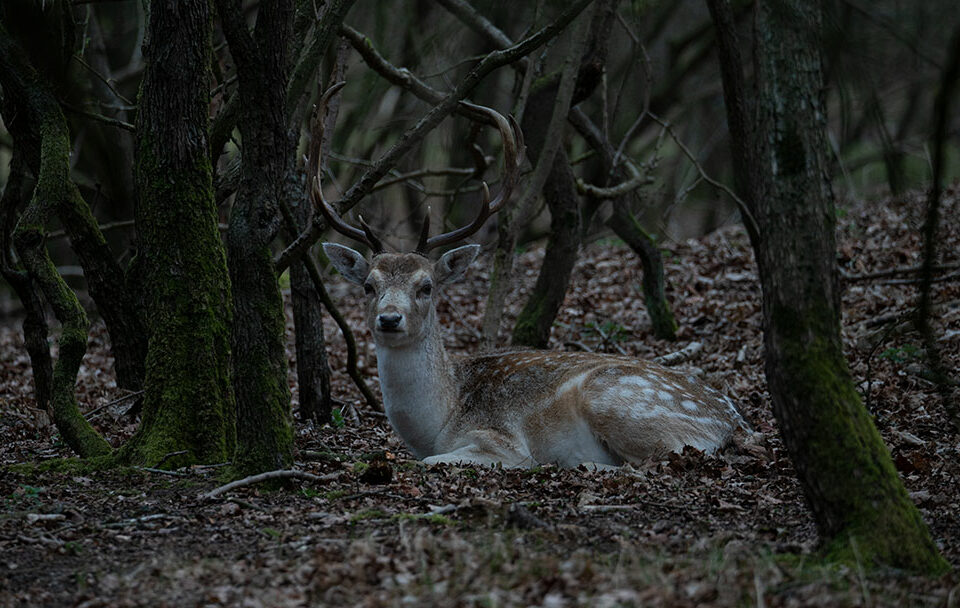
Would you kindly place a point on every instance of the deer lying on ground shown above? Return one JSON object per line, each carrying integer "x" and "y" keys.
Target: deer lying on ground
{"x": 518, "y": 408}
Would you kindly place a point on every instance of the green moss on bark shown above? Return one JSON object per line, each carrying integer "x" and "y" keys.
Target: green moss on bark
{"x": 180, "y": 268}
{"x": 868, "y": 515}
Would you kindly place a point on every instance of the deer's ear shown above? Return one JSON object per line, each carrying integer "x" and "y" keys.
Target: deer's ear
{"x": 350, "y": 263}
{"x": 454, "y": 263}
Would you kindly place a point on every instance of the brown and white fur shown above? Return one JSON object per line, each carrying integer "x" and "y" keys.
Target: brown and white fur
{"x": 518, "y": 408}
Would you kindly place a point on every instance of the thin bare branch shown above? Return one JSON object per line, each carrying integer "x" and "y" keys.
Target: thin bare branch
{"x": 269, "y": 475}
{"x": 744, "y": 210}
{"x": 113, "y": 122}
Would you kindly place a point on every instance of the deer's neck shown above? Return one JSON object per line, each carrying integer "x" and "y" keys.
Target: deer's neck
{"x": 419, "y": 391}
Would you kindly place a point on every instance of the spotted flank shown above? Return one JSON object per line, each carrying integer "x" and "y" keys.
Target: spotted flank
{"x": 581, "y": 407}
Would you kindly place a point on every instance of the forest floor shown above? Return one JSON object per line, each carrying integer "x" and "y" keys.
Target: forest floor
{"x": 723, "y": 530}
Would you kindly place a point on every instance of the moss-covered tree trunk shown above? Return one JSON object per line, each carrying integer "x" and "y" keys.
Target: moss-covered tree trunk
{"x": 36, "y": 118}
{"x": 35, "y": 328}
{"x": 37, "y": 125}
{"x": 653, "y": 284}
{"x": 264, "y": 420}
{"x": 39, "y": 128}
{"x": 536, "y": 319}
{"x": 861, "y": 508}
{"x": 181, "y": 266}
{"x": 547, "y": 107}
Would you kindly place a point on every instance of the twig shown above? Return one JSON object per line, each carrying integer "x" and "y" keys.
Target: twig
{"x": 891, "y": 29}
{"x": 684, "y": 354}
{"x": 113, "y": 122}
{"x": 424, "y": 173}
{"x": 254, "y": 479}
{"x": 477, "y": 22}
{"x": 170, "y": 455}
{"x": 748, "y": 217}
{"x": 638, "y": 180}
{"x": 91, "y": 414}
{"x": 883, "y": 274}
{"x": 110, "y": 85}
{"x": 161, "y": 471}
{"x": 947, "y": 277}
{"x": 245, "y": 504}
{"x": 56, "y": 234}
{"x": 578, "y": 345}
{"x": 401, "y": 76}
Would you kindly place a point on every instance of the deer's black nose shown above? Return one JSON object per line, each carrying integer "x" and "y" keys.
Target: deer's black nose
{"x": 389, "y": 320}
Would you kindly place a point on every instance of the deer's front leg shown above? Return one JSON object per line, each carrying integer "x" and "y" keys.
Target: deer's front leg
{"x": 486, "y": 448}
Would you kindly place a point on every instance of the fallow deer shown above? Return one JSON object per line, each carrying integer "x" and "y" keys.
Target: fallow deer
{"x": 521, "y": 407}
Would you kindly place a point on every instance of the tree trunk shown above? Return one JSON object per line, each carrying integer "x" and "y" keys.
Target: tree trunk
{"x": 313, "y": 371}
{"x": 35, "y": 328}
{"x": 859, "y": 504}
{"x": 188, "y": 400}
{"x": 545, "y": 112}
{"x": 36, "y": 106}
{"x": 38, "y": 127}
{"x": 535, "y": 320}
{"x": 264, "y": 420}
{"x": 653, "y": 284}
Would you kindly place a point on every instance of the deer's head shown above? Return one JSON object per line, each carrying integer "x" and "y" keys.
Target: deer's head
{"x": 401, "y": 287}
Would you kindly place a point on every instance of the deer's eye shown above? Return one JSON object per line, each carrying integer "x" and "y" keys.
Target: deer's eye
{"x": 425, "y": 290}
{"x": 368, "y": 288}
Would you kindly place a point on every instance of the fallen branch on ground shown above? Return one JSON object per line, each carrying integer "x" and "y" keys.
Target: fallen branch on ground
{"x": 281, "y": 474}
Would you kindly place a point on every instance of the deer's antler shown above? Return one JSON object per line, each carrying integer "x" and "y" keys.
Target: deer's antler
{"x": 364, "y": 234}
{"x": 512, "y": 157}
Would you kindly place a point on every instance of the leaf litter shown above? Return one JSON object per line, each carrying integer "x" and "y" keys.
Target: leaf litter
{"x": 385, "y": 530}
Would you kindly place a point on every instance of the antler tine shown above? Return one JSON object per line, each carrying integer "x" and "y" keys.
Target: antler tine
{"x": 424, "y": 234}
{"x": 512, "y": 157}
{"x": 372, "y": 239}
{"x": 365, "y": 236}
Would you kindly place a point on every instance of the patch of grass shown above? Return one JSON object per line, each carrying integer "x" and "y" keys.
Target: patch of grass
{"x": 334, "y": 494}
{"x": 368, "y": 514}
{"x": 431, "y": 518}
{"x": 902, "y": 354}
{"x": 272, "y": 532}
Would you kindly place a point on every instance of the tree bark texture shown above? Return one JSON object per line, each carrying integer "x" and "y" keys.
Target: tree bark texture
{"x": 35, "y": 329}
{"x": 264, "y": 419}
{"x": 36, "y": 123}
{"x": 181, "y": 266}
{"x": 313, "y": 370}
{"x": 859, "y": 503}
